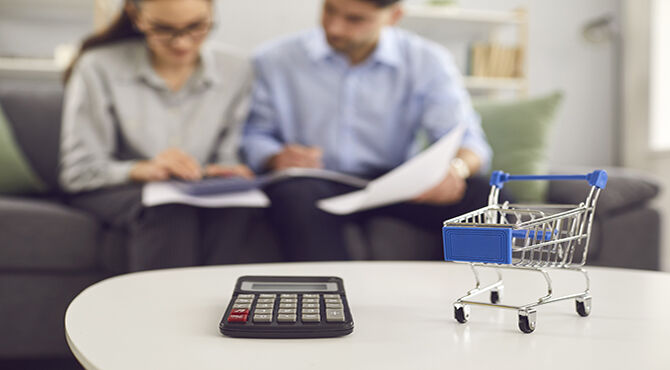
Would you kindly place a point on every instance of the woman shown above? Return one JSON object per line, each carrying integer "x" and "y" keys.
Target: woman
{"x": 147, "y": 101}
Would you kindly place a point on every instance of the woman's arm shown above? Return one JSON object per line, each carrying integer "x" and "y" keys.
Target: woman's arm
{"x": 88, "y": 137}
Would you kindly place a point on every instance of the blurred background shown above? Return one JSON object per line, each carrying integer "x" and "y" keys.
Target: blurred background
{"x": 610, "y": 59}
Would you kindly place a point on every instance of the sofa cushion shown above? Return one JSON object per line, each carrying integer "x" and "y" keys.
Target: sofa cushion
{"x": 44, "y": 235}
{"x": 16, "y": 175}
{"x": 518, "y": 132}
{"x": 626, "y": 189}
{"x": 34, "y": 111}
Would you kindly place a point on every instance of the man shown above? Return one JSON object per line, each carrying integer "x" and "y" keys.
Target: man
{"x": 352, "y": 97}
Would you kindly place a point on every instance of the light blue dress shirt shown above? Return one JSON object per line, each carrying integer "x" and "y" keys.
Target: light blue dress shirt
{"x": 365, "y": 117}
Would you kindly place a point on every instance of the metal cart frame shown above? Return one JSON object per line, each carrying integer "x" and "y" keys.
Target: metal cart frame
{"x": 524, "y": 237}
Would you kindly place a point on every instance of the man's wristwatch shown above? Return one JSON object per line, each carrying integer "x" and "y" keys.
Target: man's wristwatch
{"x": 460, "y": 167}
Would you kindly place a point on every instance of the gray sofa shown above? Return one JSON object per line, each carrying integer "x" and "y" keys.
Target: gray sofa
{"x": 49, "y": 251}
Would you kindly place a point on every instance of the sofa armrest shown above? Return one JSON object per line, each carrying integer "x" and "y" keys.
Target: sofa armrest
{"x": 626, "y": 189}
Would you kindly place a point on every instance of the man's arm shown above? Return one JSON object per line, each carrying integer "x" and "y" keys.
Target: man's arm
{"x": 261, "y": 139}
{"x": 263, "y": 146}
{"x": 447, "y": 105}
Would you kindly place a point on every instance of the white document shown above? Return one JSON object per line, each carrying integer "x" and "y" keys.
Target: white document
{"x": 406, "y": 182}
{"x": 157, "y": 193}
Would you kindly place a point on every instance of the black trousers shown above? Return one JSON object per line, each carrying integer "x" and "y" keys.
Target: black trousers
{"x": 171, "y": 235}
{"x": 307, "y": 233}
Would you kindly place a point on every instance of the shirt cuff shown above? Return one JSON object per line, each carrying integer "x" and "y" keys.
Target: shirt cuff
{"x": 483, "y": 151}
{"x": 258, "y": 154}
{"x": 119, "y": 172}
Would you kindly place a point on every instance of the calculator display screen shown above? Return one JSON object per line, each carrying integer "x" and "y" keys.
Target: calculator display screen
{"x": 263, "y": 286}
{"x": 257, "y": 286}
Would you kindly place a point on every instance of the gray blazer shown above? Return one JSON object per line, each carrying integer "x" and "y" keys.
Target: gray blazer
{"x": 117, "y": 111}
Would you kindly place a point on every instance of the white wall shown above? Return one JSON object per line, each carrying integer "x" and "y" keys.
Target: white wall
{"x": 32, "y": 28}
{"x": 559, "y": 57}
{"x": 660, "y": 84}
{"x": 247, "y": 24}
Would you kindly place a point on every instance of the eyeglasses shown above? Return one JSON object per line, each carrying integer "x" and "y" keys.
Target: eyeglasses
{"x": 166, "y": 34}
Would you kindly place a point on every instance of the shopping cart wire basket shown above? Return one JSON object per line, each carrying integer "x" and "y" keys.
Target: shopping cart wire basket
{"x": 527, "y": 237}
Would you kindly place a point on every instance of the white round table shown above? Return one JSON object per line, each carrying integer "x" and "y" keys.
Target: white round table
{"x": 403, "y": 315}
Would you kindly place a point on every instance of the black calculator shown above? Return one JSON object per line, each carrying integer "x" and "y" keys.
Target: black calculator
{"x": 287, "y": 307}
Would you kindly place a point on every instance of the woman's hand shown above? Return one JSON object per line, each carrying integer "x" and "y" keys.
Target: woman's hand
{"x": 225, "y": 171}
{"x": 147, "y": 171}
{"x": 179, "y": 164}
{"x": 170, "y": 163}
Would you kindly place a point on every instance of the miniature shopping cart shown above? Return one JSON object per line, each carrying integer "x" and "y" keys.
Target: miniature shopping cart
{"x": 527, "y": 237}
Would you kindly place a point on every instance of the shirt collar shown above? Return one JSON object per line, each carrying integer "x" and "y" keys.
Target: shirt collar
{"x": 206, "y": 74}
{"x": 317, "y": 46}
{"x": 386, "y": 52}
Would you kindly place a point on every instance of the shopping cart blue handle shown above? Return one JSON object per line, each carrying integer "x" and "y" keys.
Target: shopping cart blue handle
{"x": 597, "y": 178}
{"x": 540, "y": 235}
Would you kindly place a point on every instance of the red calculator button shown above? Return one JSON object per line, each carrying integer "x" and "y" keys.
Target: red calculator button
{"x": 238, "y": 317}
{"x": 239, "y": 311}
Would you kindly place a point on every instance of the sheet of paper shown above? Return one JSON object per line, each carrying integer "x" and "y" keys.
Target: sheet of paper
{"x": 157, "y": 193}
{"x": 406, "y": 182}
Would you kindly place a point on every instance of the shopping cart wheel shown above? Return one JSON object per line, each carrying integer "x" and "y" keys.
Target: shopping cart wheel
{"x": 461, "y": 313}
{"x": 527, "y": 321}
{"x": 583, "y": 306}
{"x": 495, "y": 296}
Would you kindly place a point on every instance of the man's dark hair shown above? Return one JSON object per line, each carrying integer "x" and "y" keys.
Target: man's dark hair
{"x": 382, "y": 3}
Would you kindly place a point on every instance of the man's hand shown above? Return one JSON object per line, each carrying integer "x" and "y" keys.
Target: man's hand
{"x": 296, "y": 156}
{"x": 449, "y": 191}
{"x": 225, "y": 171}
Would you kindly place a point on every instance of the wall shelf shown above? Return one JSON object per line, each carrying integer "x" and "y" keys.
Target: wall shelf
{"x": 454, "y": 13}
{"x": 481, "y": 27}
{"x": 494, "y": 83}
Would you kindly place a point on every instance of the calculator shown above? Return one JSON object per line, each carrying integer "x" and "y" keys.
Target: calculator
{"x": 287, "y": 307}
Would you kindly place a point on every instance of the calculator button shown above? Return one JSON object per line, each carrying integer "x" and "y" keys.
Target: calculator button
{"x": 331, "y": 296}
{"x": 310, "y": 300}
{"x": 267, "y": 296}
{"x": 288, "y": 300}
{"x": 286, "y": 318}
{"x": 238, "y": 318}
{"x": 289, "y": 296}
{"x": 334, "y": 306}
{"x": 287, "y": 305}
{"x": 310, "y": 310}
{"x": 311, "y": 296}
{"x": 311, "y": 317}
{"x": 265, "y": 305}
{"x": 335, "y": 315}
{"x": 265, "y": 311}
{"x": 246, "y": 296}
{"x": 242, "y": 305}
{"x": 262, "y": 318}
{"x": 239, "y": 311}
{"x": 243, "y": 300}
{"x": 266, "y": 300}
{"x": 286, "y": 311}
{"x": 331, "y": 300}
{"x": 310, "y": 305}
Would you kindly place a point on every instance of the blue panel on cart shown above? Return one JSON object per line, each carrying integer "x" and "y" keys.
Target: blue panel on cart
{"x": 470, "y": 244}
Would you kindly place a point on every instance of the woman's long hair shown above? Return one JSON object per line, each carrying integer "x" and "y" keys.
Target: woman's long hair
{"x": 121, "y": 29}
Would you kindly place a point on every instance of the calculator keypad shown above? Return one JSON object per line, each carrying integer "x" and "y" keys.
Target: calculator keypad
{"x": 287, "y": 308}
